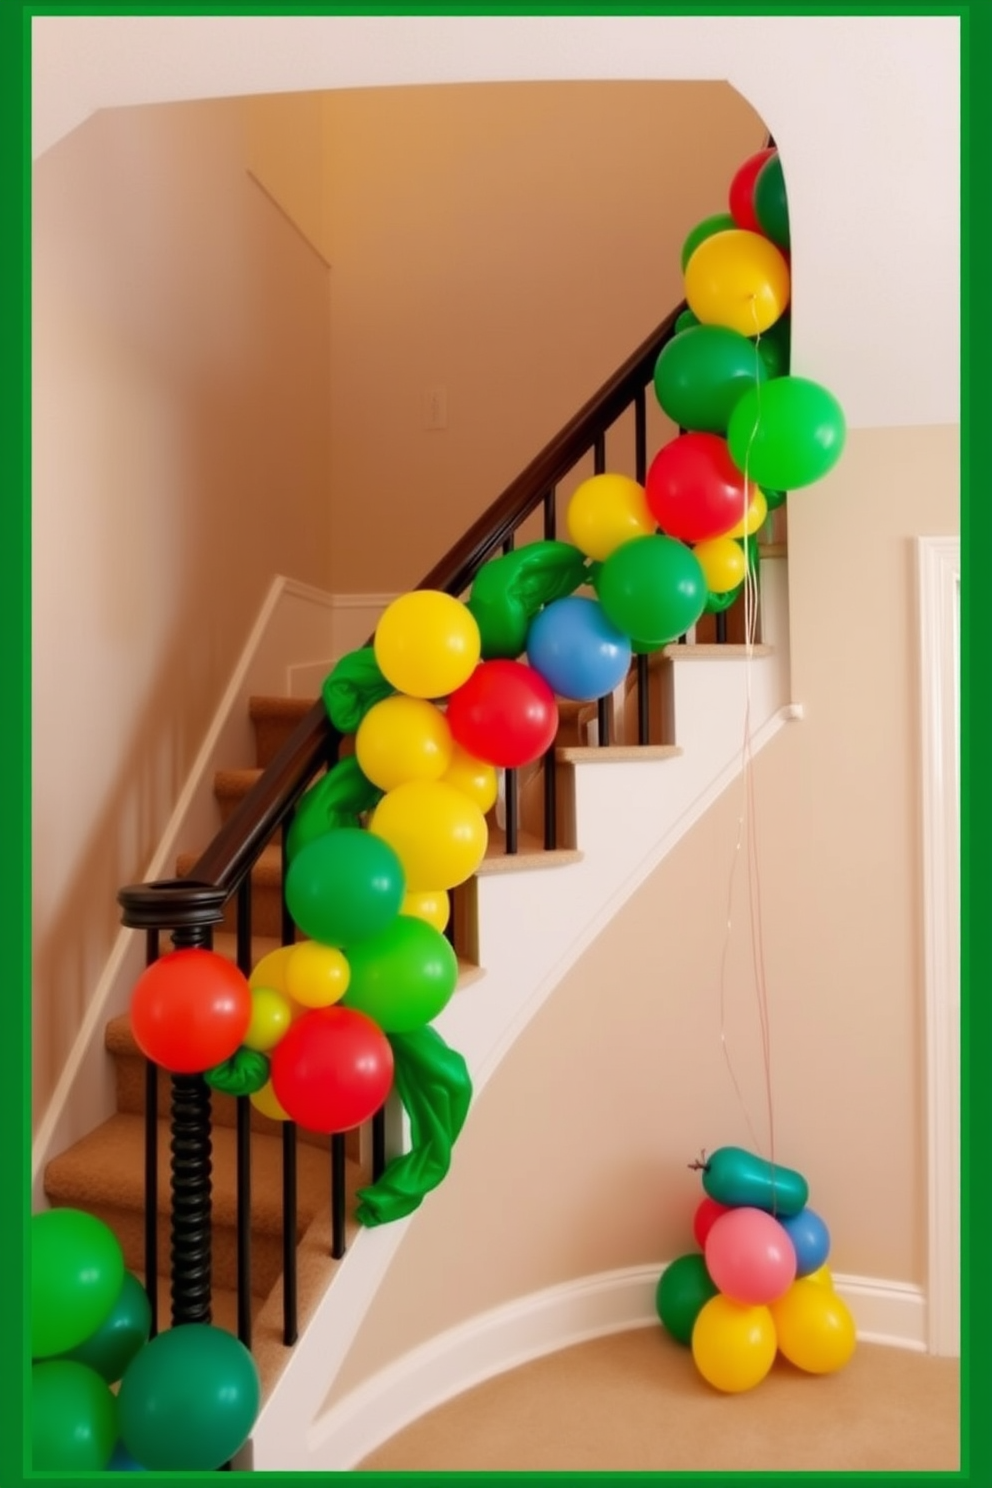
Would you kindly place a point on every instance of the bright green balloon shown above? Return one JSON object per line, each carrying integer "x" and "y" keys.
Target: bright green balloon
{"x": 683, "y": 1290}
{"x": 702, "y": 373}
{"x": 404, "y": 977}
{"x": 114, "y": 1344}
{"x": 77, "y": 1271}
{"x": 652, "y": 588}
{"x": 344, "y": 886}
{"x": 189, "y": 1400}
{"x": 798, "y": 433}
{"x": 721, "y": 222}
{"x": 73, "y": 1418}
{"x": 771, "y": 205}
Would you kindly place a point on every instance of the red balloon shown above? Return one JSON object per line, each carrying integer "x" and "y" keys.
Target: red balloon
{"x": 694, "y": 490}
{"x": 332, "y": 1069}
{"x": 505, "y": 714}
{"x": 190, "y": 1010}
{"x": 705, "y": 1217}
{"x": 742, "y": 191}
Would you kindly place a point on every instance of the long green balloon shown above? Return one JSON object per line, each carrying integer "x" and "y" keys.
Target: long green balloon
{"x": 337, "y": 800}
{"x": 509, "y": 591}
{"x": 354, "y": 686}
{"x": 434, "y": 1085}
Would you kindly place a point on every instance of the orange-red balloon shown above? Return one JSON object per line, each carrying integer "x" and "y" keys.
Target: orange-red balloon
{"x": 190, "y": 1010}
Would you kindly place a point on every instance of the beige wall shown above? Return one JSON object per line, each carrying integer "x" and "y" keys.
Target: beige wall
{"x": 180, "y": 387}
{"x": 574, "y": 1160}
{"x": 512, "y": 243}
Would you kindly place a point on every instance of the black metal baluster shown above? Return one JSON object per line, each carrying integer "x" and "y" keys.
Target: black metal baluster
{"x": 721, "y": 627}
{"x": 244, "y": 926}
{"x": 640, "y": 437}
{"x": 337, "y": 1195}
{"x": 550, "y": 800}
{"x": 244, "y": 1219}
{"x": 290, "y": 1330}
{"x": 643, "y": 713}
{"x": 151, "y": 1162}
{"x": 512, "y": 803}
{"x": 191, "y": 1168}
{"x": 603, "y": 721}
{"x": 550, "y": 514}
{"x": 288, "y": 927}
{"x": 508, "y": 543}
{"x": 599, "y": 455}
{"x": 378, "y": 1144}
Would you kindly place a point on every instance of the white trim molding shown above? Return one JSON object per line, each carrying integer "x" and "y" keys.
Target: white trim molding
{"x": 939, "y": 579}
{"x": 530, "y": 1327}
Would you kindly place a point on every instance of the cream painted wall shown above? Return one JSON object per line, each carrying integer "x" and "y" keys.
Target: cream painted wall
{"x": 512, "y": 243}
{"x": 180, "y": 389}
{"x": 284, "y": 150}
{"x": 575, "y": 1158}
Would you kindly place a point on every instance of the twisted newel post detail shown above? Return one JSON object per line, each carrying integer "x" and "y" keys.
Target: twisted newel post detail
{"x": 190, "y": 911}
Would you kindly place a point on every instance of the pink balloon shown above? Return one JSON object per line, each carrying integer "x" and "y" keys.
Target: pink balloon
{"x": 750, "y": 1257}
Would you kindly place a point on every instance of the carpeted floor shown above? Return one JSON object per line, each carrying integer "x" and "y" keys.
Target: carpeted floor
{"x": 634, "y": 1402}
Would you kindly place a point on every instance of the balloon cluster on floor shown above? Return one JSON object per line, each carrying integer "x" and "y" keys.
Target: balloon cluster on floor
{"x": 185, "y": 1401}
{"x": 759, "y": 1285}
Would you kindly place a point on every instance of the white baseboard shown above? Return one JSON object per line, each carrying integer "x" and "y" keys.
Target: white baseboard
{"x": 892, "y": 1313}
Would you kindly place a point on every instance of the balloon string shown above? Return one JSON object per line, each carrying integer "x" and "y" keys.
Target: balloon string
{"x": 746, "y": 832}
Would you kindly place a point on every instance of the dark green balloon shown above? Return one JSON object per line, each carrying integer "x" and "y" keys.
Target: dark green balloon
{"x": 189, "y": 1400}
{"x": 701, "y": 374}
{"x": 790, "y": 436}
{"x": 775, "y": 346}
{"x": 683, "y": 1291}
{"x": 685, "y": 320}
{"x": 652, "y": 588}
{"x": 509, "y": 591}
{"x": 720, "y": 222}
{"x": 771, "y": 204}
{"x": 114, "y": 1344}
{"x": 244, "y": 1073}
{"x": 345, "y": 886}
{"x": 402, "y": 978}
{"x": 717, "y": 603}
{"x": 73, "y": 1418}
{"x": 774, "y": 499}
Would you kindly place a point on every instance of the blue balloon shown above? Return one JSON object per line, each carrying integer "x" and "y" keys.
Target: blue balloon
{"x": 122, "y": 1461}
{"x": 577, "y": 650}
{"x": 810, "y": 1240}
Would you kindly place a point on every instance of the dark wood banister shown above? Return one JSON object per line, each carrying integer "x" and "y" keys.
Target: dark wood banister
{"x": 242, "y": 837}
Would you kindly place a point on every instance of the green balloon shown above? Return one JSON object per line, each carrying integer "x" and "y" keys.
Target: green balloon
{"x": 702, "y": 373}
{"x": 73, "y": 1418}
{"x": 685, "y": 320}
{"x": 189, "y": 1400}
{"x": 771, "y": 205}
{"x": 509, "y": 591}
{"x": 114, "y": 1344}
{"x": 244, "y": 1073}
{"x": 775, "y": 346}
{"x": 717, "y": 603}
{"x": 338, "y": 799}
{"x": 404, "y": 977}
{"x": 652, "y": 588}
{"x": 775, "y": 499}
{"x": 77, "y": 1271}
{"x": 344, "y": 886}
{"x": 683, "y": 1290}
{"x": 720, "y": 222}
{"x": 789, "y": 436}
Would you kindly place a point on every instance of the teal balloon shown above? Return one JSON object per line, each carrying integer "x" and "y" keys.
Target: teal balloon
{"x": 682, "y": 1292}
{"x": 114, "y": 1344}
{"x": 73, "y": 1418}
{"x": 789, "y": 433}
{"x": 652, "y": 588}
{"x": 77, "y": 1271}
{"x": 189, "y": 1400}
{"x": 702, "y": 373}
{"x": 775, "y": 346}
{"x": 404, "y": 977}
{"x": 721, "y": 222}
{"x": 344, "y": 886}
{"x": 771, "y": 204}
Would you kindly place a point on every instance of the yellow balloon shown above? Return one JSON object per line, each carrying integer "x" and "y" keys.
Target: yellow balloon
{"x": 605, "y": 511}
{"x": 473, "y": 777}
{"x": 427, "y": 643}
{"x": 316, "y": 975}
{"x": 271, "y": 970}
{"x": 822, "y": 1277}
{"x": 737, "y": 279}
{"x": 723, "y": 563}
{"x": 432, "y": 905}
{"x": 757, "y": 511}
{"x": 733, "y": 1345}
{"x": 264, "y": 1100}
{"x": 271, "y": 1015}
{"x": 403, "y": 738}
{"x": 815, "y": 1329}
{"x": 438, "y": 834}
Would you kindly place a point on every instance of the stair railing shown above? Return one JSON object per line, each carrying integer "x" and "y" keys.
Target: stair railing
{"x": 189, "y": 909}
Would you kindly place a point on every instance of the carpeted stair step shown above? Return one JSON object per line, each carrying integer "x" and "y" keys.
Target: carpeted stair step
{"x": 274, "y": 719}
{"x": 104, "y": 1175}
